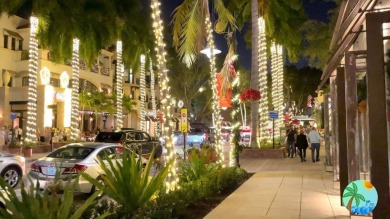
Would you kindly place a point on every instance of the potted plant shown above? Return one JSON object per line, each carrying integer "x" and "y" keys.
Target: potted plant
{"x": 27, "y": 150}
{"x": 15, "y": 149}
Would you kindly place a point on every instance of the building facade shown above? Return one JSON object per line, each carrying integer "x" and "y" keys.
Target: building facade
{"x": 54, "y": 85}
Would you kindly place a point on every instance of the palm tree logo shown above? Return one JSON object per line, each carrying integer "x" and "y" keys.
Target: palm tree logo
{"x": 353, "y": 193}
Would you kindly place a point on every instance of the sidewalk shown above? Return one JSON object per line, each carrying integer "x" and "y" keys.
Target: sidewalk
{"x": 283, "y": 188}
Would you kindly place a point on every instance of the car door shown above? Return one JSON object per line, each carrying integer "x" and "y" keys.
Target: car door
{"x": 148, "y": 145}
{"x": 105, "y": 154}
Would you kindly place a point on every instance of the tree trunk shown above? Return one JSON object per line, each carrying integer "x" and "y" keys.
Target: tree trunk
{"x": 254, "y": 72}
{"x": 349, "y": 206}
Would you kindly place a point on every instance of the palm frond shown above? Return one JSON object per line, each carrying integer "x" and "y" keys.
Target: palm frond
{"x": 225, "y": 18}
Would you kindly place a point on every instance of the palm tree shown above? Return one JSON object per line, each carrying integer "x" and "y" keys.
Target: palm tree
{"x": 352, "y": 192}
{"x": 85, "y": 101}
{"x": 189, "y": 26}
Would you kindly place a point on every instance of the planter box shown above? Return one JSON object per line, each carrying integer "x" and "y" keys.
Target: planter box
{"x": 27, "y": 152}
{"x": 47, "y": 148}
{"x": 263, "y": 153}
{"x": 15, "y": 150}
{"x": 211, "y": 157}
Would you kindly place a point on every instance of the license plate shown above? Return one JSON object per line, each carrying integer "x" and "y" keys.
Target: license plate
{"x": 51, "y": 171}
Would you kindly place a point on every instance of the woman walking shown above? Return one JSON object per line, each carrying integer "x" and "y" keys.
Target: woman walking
{"x": 302, "y": 145}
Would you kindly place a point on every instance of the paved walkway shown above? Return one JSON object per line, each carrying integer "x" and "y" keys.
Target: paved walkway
{"x": 283, "y": 188}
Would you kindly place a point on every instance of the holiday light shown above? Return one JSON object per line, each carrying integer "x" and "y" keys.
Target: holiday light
{"x": 167, "y": 130}
{"x": 142, "y": 94}
{"x": 280, "y": 87}
{"x": 263, "y": 103}
{"x": 31, "y": 127}
{"x": 216, "y": 108}
{"x": 119, "y": 81}
{"x": 235, "y": 111}
{"x": 75, "y": 90}
{"x": 153, "y": 96}
{"x": 275, "y": 84}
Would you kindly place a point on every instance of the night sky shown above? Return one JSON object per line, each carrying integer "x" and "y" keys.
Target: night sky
{"x": 315, "y": 9}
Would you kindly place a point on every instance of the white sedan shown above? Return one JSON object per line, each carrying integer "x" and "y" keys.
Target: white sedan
{"x": 12, "y": 168}
{"x": 66, "y": 162}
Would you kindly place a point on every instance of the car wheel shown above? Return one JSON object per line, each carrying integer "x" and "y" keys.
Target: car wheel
{"x": 158, "y": 152}
{"x": 12, "y": 176}
{"x": 94, "y": 188}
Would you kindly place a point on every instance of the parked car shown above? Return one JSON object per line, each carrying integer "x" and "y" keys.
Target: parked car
{"x": 12, "y": 168}
{"x": 133, "y": 139}
{"x": 73, "y": 158}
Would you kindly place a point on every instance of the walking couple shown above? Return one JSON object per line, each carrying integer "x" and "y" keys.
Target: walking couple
{"x": 301, "y": 141}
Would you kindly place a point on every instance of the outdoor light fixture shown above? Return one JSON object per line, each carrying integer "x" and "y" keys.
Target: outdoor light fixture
{"x": 142, "y": 93}
{"x": 207, "y": 51}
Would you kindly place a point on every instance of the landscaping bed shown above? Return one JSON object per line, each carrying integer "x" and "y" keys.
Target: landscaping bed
{"x": 263, "y": 153}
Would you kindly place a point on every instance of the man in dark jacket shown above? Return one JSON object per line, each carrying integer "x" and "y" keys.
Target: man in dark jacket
{"x": 291, "y": 139}
{"x": 302, "y": 145}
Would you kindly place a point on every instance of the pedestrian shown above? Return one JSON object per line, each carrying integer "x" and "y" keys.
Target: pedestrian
{"x": 291, "y": 140}
{"x": 6, "y": 131}
{"x": 315, "y": 140}
{"x": 302, "y": 144}
{"x": 19, "y": 133}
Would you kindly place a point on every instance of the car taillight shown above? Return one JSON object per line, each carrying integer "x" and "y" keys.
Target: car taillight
{"x": 76, "y": 169}
{"x": 35, "y": 167}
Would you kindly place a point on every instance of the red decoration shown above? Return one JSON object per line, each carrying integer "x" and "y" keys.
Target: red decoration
{"x": 225, "y": 100}
{"x": 250, "y": 95}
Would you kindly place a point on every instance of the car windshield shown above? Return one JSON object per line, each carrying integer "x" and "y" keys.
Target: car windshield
{"x": 110, "y": 137}
{"x": 78, "y": 153}
{"x": 196, "y": 130}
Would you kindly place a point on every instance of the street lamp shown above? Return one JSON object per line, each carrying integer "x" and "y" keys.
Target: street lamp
{"x": 207, "y": 51}
{"x": 104, "y": 121}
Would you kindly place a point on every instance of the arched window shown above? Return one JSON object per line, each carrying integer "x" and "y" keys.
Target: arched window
{"x": 87, "y": 85}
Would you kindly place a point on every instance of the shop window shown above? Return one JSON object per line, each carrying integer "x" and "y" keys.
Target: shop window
{"x": 13, "y": 43}
{"x": 55, "y": 82}
{"x": 20, "y": 44}
{"x": 6, "y": 41}
{"x": 25, "y": 81}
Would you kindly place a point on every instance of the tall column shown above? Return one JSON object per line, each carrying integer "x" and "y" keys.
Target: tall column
{"x": 328, "y": 161}
{"x": 142, "y": 113}
{"x": 119, "y": 84}
{"x": 75, "y": 90}
{"x": 334, "y": 132}
{"x": 351, "y": 116}
{"x": 341, "y": 112}
{"x": 32, "y": 86}
{"x": 377, "y": 109}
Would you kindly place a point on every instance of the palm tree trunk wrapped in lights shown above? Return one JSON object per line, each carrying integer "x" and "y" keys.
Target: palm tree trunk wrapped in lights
{"x": 153, "y": 96}
{"x": 142, "y": 94}
{"x": 32, "y": 89}
{"x": 167, "y": 134}
{"x": 216, "y": 108}
{"x": 262, "y": 76}
{"x": 275, "y": 83}
{"x": 75, "y": 90}
{"x": 119, "y": 81}
{"x": 280, "y": 87}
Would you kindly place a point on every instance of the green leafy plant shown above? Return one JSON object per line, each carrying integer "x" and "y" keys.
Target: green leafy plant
{"x": 127, "y": 181}
{"x": 34, "y": 204}
{"x": 196, "y": 167}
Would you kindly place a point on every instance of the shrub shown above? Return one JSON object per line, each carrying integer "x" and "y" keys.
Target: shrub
{"x": 128, "y": 183}
{"x": 196, "y": 167}
{"x": 35, "y": 205}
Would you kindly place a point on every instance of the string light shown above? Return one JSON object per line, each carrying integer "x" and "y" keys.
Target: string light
{"x": 275, "y": 84}
{"x": 280, "y": 87}
{"x": 262, "y": 59}
{"x": 75, "y": 90}
{"x": 119, "y": 81}
{"x": 167, "y": 129}
{"x": 142, "y": 93}
{"x": 31, "y": 126}
{"x": 153, "y": 96}
{"x": 235, "y": 111}
{"x": 216, "y": 107}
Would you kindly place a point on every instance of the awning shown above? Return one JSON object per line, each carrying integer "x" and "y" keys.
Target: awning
{"x": 13, "y": 34}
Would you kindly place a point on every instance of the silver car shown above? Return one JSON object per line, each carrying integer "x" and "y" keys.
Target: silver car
{"x": 71, "y": 159}
{"x": 12, "y": 168}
